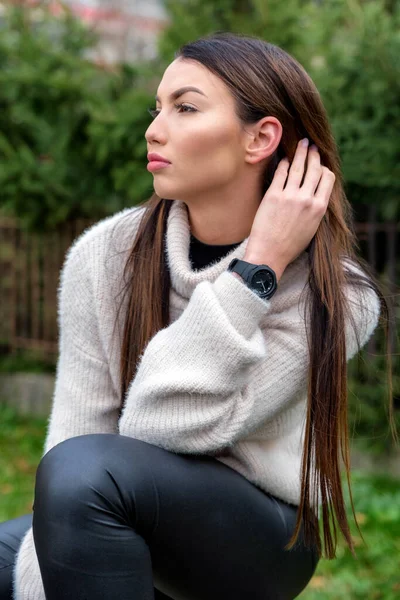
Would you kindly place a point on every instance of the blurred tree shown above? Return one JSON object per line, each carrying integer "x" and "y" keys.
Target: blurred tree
{"x": 357, "y": 71}
{"x": 71, "y": 133}
{"x": 286, "y": 24}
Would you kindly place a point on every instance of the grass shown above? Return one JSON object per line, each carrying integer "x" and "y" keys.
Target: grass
{"x": 373, "y": 575}
{"x": 25, "y": 361}
{"x": 21, "y": 443}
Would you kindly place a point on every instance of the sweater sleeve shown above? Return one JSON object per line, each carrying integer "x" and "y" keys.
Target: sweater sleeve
{"x": 216, "y": 374}
{"x": 84, "y": 400}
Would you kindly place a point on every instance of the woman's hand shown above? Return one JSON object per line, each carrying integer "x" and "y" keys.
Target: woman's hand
{"x": 289, "y": 214}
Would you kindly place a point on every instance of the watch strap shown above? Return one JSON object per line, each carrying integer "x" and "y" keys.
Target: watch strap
{"x": 242, "y": 267}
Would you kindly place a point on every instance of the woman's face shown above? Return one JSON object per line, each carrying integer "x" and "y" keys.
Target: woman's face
{"x": 198, "y": 132}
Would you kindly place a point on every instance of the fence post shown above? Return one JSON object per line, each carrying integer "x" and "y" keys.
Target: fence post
{"x": 371, "y": 237}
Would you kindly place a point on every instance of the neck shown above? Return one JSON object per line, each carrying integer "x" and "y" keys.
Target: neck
{"x": 223, "y": 217}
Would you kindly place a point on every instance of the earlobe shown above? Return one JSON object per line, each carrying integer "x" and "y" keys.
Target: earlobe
{"x": 263, "y": 139}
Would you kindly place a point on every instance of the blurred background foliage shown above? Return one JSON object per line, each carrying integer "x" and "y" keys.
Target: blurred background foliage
{"x": 71, "y": 132}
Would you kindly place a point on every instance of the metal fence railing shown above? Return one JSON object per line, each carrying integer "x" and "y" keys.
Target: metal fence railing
{"x": 30, "y": 268}
{"x": 29, "y": 276}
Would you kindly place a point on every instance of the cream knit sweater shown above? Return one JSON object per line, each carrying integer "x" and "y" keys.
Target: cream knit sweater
{"x": 227, "y": 377}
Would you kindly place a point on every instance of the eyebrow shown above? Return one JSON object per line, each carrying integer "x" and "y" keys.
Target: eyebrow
{"x": 181, "y": 91}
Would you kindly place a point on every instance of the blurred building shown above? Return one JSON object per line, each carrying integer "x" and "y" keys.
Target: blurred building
{"x": 128, "y": 29}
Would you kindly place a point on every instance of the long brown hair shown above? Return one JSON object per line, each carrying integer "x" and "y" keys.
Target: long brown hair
{"x": 265, "y": 80}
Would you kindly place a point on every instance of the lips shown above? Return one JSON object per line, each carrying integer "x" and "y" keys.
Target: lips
{"x": 156, "y": 162}
{"x": 152, "y": 156}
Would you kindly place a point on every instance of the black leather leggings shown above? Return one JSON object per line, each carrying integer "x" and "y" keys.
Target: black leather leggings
{"x": 115, "y": 517}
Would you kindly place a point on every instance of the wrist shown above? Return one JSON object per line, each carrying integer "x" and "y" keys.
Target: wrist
{"x": 237, "y": 276}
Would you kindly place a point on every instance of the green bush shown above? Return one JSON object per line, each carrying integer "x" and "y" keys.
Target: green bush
{"x": 26, "y": 361}
{"x": 357, "y": 70}
{"x": 71, "y": 133}
{"x": 288, "y": 24}
{"x": 369, "y": 401}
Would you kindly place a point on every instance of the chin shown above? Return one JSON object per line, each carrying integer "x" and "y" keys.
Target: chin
{"x": 167, "y": 192}
{"x": 184, "y": 193}
{"x": 164, "y": 195}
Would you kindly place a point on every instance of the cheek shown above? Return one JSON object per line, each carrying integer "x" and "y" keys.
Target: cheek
{"x": 206, "y": 155}
{"x": 214, "y": 144}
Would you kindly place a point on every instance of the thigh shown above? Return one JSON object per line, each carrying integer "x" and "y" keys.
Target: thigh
{"x": 211, "y": 533}
{"x": 219, "y": 536}
{"x": 11, "y": 534}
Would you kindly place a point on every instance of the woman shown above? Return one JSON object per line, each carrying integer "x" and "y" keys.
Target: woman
{"x": 189, "y": 458}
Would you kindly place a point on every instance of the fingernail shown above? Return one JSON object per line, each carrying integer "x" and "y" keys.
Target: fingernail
{"x": 314, "y": 147}
{"x": 304, "y": 142}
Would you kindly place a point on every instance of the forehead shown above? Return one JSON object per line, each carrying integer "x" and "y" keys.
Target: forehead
{"x": 183, "y": 72}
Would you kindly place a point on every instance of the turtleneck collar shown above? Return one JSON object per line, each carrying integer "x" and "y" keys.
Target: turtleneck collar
{"x": 184, "y": 278}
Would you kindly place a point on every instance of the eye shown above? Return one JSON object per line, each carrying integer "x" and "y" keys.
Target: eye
{"x": 183, "y": 108}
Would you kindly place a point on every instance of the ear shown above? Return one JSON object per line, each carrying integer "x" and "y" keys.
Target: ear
{"x": 262, "y": 139}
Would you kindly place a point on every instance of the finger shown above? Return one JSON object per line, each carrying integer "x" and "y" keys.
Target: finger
{"x": 314, "y": 171}
{"x": 325, "y": 187}
{"x": 297, "y": 167}
{"x": 280, "y": 176}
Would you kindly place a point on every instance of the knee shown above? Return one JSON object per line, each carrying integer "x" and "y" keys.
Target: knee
{"x": 81, "y": 469}
{"x": 70, "y": 470}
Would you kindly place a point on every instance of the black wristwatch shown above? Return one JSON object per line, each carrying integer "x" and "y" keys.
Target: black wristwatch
{"x": 261, "y": 279}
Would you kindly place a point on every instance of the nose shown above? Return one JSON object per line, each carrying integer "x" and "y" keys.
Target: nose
{"x": 156, "y": 132}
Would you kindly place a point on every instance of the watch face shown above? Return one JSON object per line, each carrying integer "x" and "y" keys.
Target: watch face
{"x": 262, "y": 282}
